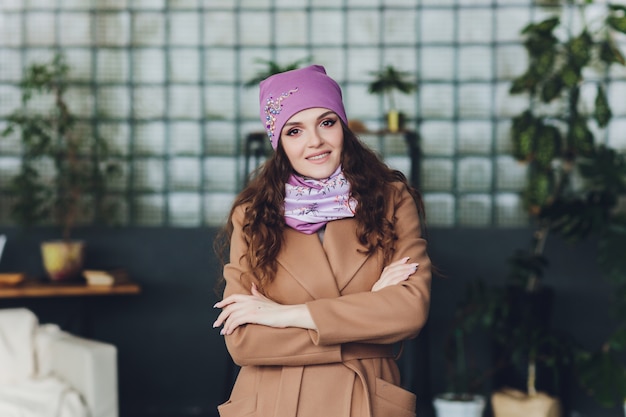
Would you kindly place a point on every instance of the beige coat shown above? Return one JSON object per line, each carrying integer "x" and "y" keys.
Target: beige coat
{"x": 346, "y": 367}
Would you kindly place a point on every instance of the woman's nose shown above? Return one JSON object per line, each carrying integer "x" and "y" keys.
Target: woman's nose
{"x": 315, "y": 139}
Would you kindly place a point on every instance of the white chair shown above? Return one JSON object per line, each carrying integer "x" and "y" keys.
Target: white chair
{"x": 46, "y": 372}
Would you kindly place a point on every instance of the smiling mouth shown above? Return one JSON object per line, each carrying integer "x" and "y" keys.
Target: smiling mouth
{"x": 320, "y": 156}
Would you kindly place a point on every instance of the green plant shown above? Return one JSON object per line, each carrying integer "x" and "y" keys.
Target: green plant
{"x": 64, "y": 172}
{"x": 602, "y": 372}
{"x": 477, "y": 310}
{"x": 572, "y": 191}
{"x": 389, "y": 80}
{"x": 574, "y": 181}
{"x": 273, "y": 67}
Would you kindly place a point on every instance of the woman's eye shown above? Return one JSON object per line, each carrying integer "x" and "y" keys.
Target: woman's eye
{"x": 292, "y": 132}
{"x": 328, "y": 122}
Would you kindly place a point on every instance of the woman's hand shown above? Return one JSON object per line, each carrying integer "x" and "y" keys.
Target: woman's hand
{"x": 240, "y": 309}
{"x": 395, "y": 273}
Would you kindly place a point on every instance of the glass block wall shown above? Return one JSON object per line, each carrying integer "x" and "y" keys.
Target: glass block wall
{"x": 163, "y": 81}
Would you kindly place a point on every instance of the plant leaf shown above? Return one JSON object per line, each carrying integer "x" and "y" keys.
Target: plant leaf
{"x": 579, "y": 49}
{"x": 610, "y": 53}
{"x": 603, "y": 376}
{"x": 273, "y": 67}
{"x": 524, "y": 128}
{"x": 617, "y": 23}
{"x": 391, "y": 79}
{"x": 547, "y": 145}
{"x": 525, "y": 82}
{"x": 551, "y": 89}
{"x": 602, "y": 111}
{"x": 544, "y": 27}
{"x": 580, "y": 139}
{"x": 605, "y": 170}
{"x": 611, "y": 254}
{"x": 617, "y": 8}
{"x": 540, "y": 185}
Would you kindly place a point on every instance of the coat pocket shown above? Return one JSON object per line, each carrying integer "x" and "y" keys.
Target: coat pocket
{"x": 390, "y": 400}
{"x": 243, "y": 407}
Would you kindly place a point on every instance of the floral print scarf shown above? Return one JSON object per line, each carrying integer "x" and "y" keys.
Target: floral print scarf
{"x": 311, "y": 203}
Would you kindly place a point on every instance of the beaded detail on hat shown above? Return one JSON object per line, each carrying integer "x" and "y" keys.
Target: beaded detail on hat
{"x": 272, "y": 109}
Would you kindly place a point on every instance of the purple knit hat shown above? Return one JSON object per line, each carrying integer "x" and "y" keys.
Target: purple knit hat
{"x": 285, "y": 94}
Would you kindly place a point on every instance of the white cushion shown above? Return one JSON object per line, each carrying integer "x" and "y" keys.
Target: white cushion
{"x": 47, "y": 397}
{"x": 45, "y": 371}
{"x": 90, "y": 367}
{"x": 17, "y": 334}
{"x": 45, "y": 336}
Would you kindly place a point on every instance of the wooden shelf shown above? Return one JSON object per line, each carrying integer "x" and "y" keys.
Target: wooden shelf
{"x": 37, "y": 288}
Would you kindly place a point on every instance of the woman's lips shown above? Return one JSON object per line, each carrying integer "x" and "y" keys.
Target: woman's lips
{"x": 318, "y": 157}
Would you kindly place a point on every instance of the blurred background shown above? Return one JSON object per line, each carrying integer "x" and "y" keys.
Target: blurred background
{"x": 163, "y": 83}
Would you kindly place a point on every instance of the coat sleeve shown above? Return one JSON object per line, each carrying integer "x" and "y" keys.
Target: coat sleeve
{"x": 253, "y": 344}
{"x": 395, "y": 313}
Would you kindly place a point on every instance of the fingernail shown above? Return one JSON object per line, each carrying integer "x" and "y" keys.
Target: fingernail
{"x": 215, "y": 305}
{"x": 215, "y": 324}
{"x": 222, "y": 332}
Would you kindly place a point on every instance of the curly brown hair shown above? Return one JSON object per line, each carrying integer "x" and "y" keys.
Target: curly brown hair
{"x": 264, "y": 197}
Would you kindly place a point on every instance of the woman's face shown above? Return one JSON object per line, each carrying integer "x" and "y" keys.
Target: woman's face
{"x": 313, "y": 141}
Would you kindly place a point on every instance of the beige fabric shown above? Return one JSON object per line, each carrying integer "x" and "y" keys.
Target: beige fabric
{"x": 514, "y": 403}
{"x": 345, "y": 368}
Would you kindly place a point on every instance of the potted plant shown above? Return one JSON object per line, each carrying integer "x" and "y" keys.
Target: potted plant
{"x": 450, "y": 404}
{"x": 64, "y": 171}
{"x": 602, "y": 372}
{"x": 386, "y": 82}
{"x": 572, "y": 189}
{"x": 465, "y": 379}
{"x": 273, "y": 67}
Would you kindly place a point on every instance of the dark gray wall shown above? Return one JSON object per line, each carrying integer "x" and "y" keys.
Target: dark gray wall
{"x": 172, "y": 361}
{"x": 582, "y": 294}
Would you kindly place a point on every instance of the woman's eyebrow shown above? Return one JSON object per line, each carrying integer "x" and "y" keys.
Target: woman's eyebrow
{"x": 292, "y": 123}
{"x": 325, "y": 114}
{"x": 320, "y": 117}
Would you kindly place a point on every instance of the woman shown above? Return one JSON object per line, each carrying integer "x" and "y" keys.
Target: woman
{"x": 327, "y": 266}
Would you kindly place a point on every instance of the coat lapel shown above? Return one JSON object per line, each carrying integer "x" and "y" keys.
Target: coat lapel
{"x": 345, "y": 253}
{"x": 304, "y": 258}
{"x": 323, "y": 271}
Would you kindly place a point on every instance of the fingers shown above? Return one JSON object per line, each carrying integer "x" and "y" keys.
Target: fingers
{"x": 239, "y": 309}
{"x": 400, "y": 268}
{"x": 395, "y": 273}
{"x": 233, "y": 316}
{"x": 223, "y": 316}
{"x": 229, "y": 300}
{"x": 256, "y": 293}
{"x": 398, "y": 262}
{"x": 228, "y": 306}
